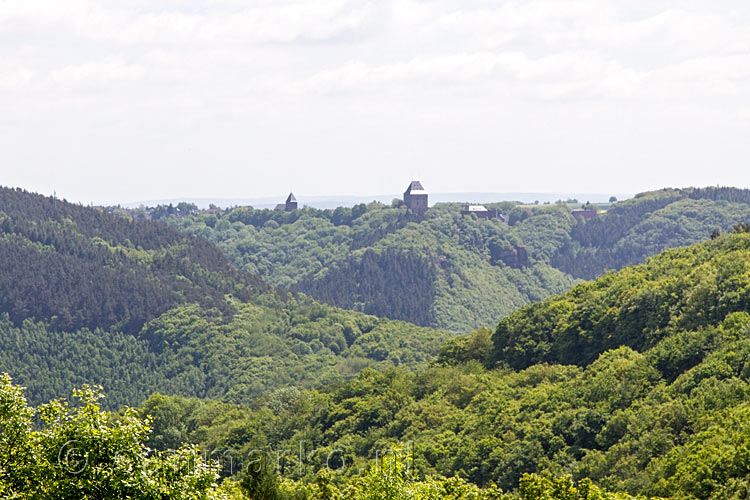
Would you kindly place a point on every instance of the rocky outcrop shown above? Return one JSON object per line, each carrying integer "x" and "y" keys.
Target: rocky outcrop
{"x": 516, "y": 257}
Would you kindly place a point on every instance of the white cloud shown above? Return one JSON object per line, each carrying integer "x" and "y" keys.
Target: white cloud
{"x": 559, "y": 76}
{"x": 15, "y": 79}
{"x": 424, "y": 69}
{"x": 95, "y": 74}
{"x": 165, "y": 23}
{"x": 547, "y": 48}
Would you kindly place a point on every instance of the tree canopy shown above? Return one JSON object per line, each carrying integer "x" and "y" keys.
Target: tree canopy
{"x": 455, "y": 272}
{"x": 140, "y": 307}
{"x": 660, "y": 412}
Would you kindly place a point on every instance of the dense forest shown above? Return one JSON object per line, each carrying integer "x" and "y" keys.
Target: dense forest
{"x": 77, "y": 267}
{"x": 637, "y": 382}
{"x": 75, "y": 451}
{"x": 456, "y": 272}
{"x": 636, "y": 229}
{"x": 139, "y": 307}
{"x": 442, "y": 269}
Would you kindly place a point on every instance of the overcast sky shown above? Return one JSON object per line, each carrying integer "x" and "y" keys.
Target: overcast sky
{"x": 121, "y": 100}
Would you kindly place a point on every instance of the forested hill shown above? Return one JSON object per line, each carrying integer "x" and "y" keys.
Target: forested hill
{"x": 641, "y": 227}
{"x": 693, "y": 288}
{"x": 639, "y": 381}
{"x": 139, "y": 307}
{"x": 450, "y": 271}
{"x": 440, "y": 269}
{"x": 75, "y": 267}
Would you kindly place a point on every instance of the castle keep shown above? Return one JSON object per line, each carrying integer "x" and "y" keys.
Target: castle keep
{"x": 415, "y": 197}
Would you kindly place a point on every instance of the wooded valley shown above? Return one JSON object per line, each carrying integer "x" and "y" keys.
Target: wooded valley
{"x": 454, "y": 272}
{"x": 634, "y": 385}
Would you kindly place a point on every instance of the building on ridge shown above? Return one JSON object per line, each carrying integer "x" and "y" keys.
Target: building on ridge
{"x": 415, "y": 197}
{"x": 480, "y": 211}
{"x": 289, "y": 205}
{"x": 585, "y": 214}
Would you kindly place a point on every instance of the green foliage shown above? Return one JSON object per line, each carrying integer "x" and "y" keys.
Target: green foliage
{"x": 16, "y": 448}
{"x": 475, "y": 346}
{"x": 714, "y": 464}
{"x": 76, "y": 267}
{"x": 405, "y": 298}
{"x": 680, "y": 290}
{"x": 80, "y": 452}
{"x": 195, "y": 352}
{"x": 633, "y": 230}
{"x": 260, "y": 481}
{"x": 617, "y": 421}
{"x": 663, "y": 416}
{"x": 534, "y": 487}
{"x": 638, "y": 381}
{"x": 390, "y": 479}
{"x": 453, "y": 272}
{"x": 441, "y": 269}
{"x": 139, "y": 307}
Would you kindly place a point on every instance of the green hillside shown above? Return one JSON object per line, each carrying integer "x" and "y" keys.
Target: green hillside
{"x": 639, "y": 381}
{"x": 681, "y": 289}
{"x": 453, "y": 272}
{"x": 74, "y": 450}
{"x": 139, "y": 307}
{"x": 443, "y": 270}
{"x": 636, "y": 229}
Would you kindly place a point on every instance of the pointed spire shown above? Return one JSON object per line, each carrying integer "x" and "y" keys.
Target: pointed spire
{"x": 291, "y": 203}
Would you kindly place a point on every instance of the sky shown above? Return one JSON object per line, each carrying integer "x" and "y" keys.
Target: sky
{"x": 115, "y": 101}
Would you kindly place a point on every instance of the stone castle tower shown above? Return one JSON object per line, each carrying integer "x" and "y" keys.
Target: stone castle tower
{"x": 415, "y": 197}
{"x": 291, "y": 203}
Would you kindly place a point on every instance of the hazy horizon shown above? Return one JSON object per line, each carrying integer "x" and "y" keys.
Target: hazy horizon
{"x": 333, "y": 200}
{"x": 132, "y": 101}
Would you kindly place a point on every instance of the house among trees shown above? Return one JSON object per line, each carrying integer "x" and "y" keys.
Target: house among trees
{"x": 480, "y": 211}
{"x": 415, "y": 197}
{"x": 289, "y": 205}
{"x": 585, "y": 213}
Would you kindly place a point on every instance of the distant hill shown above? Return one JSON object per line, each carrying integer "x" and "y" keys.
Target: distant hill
{"x": 639, "y": 380}
{"x": 440, "y": 269}
{"x": 635, "y": 229}
{"x": 456, "y": 272}
{"x": 139, "y": 307}
{"x": 693, "y": 288}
